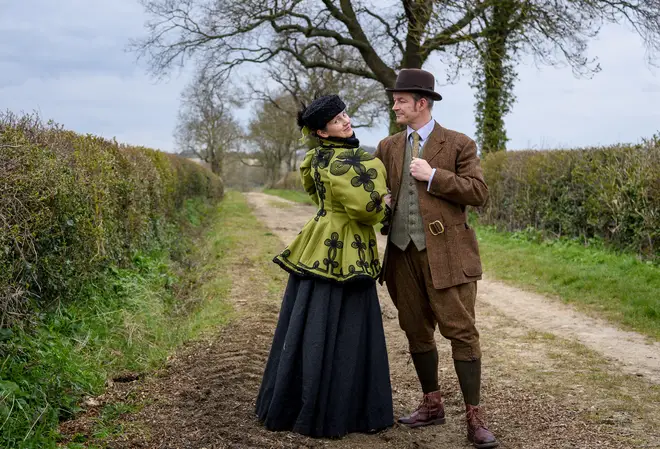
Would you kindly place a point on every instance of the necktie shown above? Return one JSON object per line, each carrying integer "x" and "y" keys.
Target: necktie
{"x": 415, "y": 144}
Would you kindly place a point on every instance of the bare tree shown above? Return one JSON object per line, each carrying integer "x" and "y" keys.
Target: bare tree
{"x": 205, "y": 125}
{"x": 282, "y": 91}
{"x": 377, "y": 39}
{"x": 285, "y": 76}
{"x": 222, "y": 34}
{"x": 275, "y": 135}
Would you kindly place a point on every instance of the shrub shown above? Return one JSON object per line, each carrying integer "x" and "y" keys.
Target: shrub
{"x": 612, "y": 193}
{"x": 72, "y": 204}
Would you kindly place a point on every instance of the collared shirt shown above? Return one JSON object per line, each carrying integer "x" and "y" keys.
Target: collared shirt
{"x": 424, "y": 133}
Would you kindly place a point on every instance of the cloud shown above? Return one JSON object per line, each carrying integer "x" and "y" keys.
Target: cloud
{"x": 67, "y": 59}
{"x": 554, "y": 109}
{"x": 47, "y": 39}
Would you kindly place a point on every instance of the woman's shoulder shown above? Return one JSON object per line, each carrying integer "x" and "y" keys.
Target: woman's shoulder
{"x": 309, "y": 158}
{"x": 357, "y": 158}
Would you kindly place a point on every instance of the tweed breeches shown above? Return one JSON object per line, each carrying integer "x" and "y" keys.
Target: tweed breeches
{"x": 421, "y": 307}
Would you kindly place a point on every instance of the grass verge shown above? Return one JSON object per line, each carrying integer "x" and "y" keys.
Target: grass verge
{"x": 224, "y": 265}
{"x": 128, "y": 320}
{"x": 617, "y": 286}
{"x": 291, "y": 195}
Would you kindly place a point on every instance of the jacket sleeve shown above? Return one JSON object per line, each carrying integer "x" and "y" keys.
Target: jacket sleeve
{"x": 307, "y": 177}
{"x": 467, "y": 185}
{"x": 357, "y": 180}
{"x": 379, "y": 155}
{"x": 387, "y": 218}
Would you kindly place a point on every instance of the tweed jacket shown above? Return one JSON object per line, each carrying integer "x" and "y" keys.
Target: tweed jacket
{"x": 339, "y": 243}
{"x": 451, "y": 245}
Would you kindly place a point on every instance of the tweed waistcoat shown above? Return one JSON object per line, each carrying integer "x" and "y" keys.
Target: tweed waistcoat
{"x": 407, "y": 220}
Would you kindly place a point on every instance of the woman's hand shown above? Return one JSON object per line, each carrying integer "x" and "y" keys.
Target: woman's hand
{"x": 388, "y": 200}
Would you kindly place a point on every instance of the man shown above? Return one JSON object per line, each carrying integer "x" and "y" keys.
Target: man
{"x": 431, "y": 263}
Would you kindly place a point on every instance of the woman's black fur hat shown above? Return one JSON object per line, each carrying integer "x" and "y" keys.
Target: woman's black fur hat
{"x": 320, "y": 111}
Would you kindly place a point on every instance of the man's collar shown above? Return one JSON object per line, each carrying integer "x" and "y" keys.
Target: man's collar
{"x": 424, "y": 131}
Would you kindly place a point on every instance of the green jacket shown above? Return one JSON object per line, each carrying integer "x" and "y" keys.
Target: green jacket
{"x": 339, "y": 243}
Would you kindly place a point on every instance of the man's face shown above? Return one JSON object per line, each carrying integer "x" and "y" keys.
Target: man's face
{"x": 405, "y": 107}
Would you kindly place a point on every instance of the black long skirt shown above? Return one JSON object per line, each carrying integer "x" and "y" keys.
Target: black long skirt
{"x": 327, "y": 373}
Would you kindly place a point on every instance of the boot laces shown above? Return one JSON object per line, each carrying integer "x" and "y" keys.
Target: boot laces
{"x": 475, "y": 418}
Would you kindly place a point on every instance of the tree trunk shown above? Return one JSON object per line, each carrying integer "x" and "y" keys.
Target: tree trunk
{"x": 216, "y": 163}
{"x": 496, "y": 85}
{"x": 293, "y": 161}
{"x": 494, "y": 134}
{"x": 418, "y": 13}
{"x": 394, "y": 126}
{"x": 272, "y": 174}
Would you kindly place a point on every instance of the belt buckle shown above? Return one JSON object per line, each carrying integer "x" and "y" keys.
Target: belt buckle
{"x": 436, "y": 227}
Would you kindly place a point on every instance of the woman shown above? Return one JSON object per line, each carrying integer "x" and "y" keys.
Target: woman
{"x": 327, "y": 373}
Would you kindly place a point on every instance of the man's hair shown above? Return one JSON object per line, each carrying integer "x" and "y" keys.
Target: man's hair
{"x": 418, "y": 97}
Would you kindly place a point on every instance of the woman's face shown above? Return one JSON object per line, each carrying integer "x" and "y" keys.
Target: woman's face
{"x": 339, "y": 126}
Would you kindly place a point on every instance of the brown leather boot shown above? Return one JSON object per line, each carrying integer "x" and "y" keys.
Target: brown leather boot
{"x": 430, "y": 411}
{"x": 477, "y": 432}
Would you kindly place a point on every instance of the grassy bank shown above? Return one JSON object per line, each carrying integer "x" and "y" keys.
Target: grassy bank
{"x": 616, "y": 286}
{"x": 125, "y": 320}
{"x": 222, "y": 263}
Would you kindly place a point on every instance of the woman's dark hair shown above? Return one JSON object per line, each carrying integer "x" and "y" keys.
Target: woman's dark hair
{"x": 300, "y": 121}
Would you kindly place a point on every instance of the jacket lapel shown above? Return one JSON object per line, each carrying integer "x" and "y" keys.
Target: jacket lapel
{"x": 435, "y": 144}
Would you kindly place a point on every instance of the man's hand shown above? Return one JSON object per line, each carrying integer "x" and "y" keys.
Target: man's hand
{"x": 420, "y": 169}
{"x": 388, "y": 200}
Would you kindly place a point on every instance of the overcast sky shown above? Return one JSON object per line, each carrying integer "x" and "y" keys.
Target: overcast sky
{"x": 66, "y": 59}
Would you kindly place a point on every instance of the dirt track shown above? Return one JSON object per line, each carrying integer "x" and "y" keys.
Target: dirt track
{"x": 632, "y": 352}
{"x": 540, "y": 389}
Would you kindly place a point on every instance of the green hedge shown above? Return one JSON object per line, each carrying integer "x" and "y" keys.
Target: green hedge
{"x": 610, "y": 193}
{"x": 72, "y": 204}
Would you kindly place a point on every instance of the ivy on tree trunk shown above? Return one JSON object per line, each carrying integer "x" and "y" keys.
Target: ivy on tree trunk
{"x": 494, "y": 80}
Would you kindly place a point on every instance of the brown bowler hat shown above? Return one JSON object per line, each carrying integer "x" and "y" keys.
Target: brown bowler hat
{"x": 418, "y": 81}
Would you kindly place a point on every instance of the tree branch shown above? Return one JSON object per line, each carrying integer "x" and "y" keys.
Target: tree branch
{"x": 388, "y": 29}
{"x": 448, "y": 36}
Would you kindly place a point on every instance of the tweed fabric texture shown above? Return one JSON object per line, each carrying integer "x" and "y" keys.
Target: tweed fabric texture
{"x": 422, "y": 307}
{"x": 407, "y": 222}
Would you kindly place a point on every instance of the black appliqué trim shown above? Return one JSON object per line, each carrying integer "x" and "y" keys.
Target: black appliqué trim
{"x": 321, "y": 159}
{"x": 362, "y": 257}
{"x": 348, "y": 159}
{"x": 333, "y": 244}
{"x": 354, "y": 159}
{"x": 376, "y": 202}
{"x": 364, "y": 178}
{"x": 363, "y": 268}
{"x": 304, "y": 272}
{"x": 375, "y": 263}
